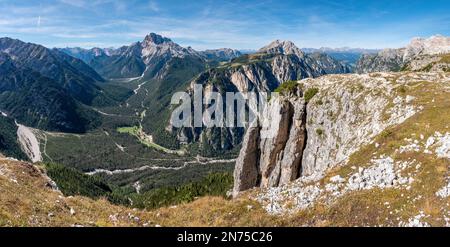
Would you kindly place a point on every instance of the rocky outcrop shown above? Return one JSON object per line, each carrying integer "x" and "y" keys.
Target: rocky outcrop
{"x": 347, "y": 112}
{"x": 246, "y": 171}
{"x": 420, "y": 55}
{"x": 29, "y": 143}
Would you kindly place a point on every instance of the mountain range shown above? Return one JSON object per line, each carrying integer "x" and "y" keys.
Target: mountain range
{"x": 99, "y": 121}
{"x": 419, "y": 55}
{"x": 156, "y": 60}
{"x": 145, "y": 58}
{"x": 48, "y": 89}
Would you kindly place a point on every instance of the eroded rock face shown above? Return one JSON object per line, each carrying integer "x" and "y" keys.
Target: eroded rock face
{"x": 348, "y": 112}
{"x": 246, "y": 172}
{"x": 271, "y": 154}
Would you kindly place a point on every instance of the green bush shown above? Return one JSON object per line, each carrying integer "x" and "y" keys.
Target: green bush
{"x": 288, "y": 87}
{"x": 319, "y": 132}
{"x": 310, "y": 93}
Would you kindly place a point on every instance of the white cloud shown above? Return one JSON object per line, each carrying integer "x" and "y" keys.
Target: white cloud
{"x": 76, "y": 3}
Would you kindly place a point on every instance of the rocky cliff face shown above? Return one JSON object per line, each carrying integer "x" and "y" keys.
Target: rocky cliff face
{"x": 347, "y": 112}
{"x": 271, "y": 156}
{"x": 420, "y": 55}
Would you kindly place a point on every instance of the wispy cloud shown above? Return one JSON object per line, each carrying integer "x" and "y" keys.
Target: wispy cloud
{"x": 215, "y": 23}
{"x": 153, "y": 6}
{"x": 75, "y": 3}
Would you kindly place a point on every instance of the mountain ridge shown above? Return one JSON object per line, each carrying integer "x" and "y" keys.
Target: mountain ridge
{"x": 72, "y": 74}
{"x": 40, "y": 101}
{"x": 264, "y": 71}
{"x": 419, "y": 54}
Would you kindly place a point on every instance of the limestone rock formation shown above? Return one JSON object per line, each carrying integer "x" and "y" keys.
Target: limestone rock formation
{"x": 307, "y": 139}
{"x": 420, "y": 55}
{"x": 272, "y": 151}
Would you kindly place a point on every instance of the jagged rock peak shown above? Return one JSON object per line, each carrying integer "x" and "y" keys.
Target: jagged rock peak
{"x": 419, "y": 54}
{"x": 282, "y": 47}
{"x": 156, "y": 39}
{"x": 157, "y": 45}
{"x": 436, "y": 44}
{"x": 221, "y": 54}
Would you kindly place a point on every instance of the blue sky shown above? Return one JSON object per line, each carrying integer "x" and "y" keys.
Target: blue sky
{"x": 214, "y": 23}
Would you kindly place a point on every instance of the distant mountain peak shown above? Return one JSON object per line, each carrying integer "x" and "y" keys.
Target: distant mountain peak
{"x": 155, "y": 45}
{"x": 419, "y": 54}
{"x": 435, "y": 44}
{"x": 284, "y": 47}
{"x": 221, "y": 54}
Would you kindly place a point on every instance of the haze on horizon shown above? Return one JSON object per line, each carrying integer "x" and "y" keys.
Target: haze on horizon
{"x": 207, "y": 24}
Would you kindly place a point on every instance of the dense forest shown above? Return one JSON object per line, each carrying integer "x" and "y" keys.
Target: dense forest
{"x": 8, "y": 139}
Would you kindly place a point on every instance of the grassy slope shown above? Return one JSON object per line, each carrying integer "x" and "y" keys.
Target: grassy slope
{"x": 27, "y": 200}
